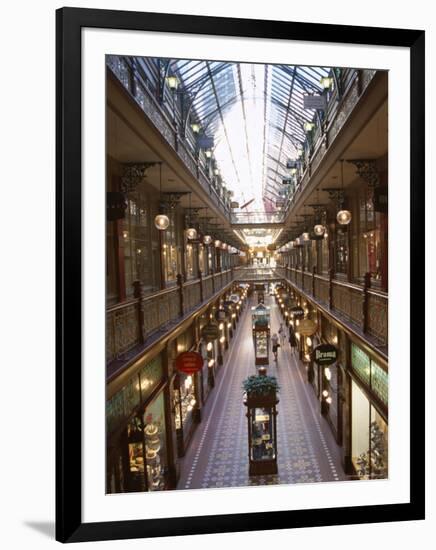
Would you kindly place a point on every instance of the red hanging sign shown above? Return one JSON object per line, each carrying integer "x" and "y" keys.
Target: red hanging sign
{"x": 189, "y": 362}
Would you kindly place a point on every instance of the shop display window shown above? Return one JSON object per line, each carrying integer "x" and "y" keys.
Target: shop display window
{"x": 262, "y": 434}
{"x": 184, "y": 400}
{"x": 262, "y": 344}
{"x": 120, "y": 407}
{"x": 361, "y": 363}
{"x": 359, "y": 425}
{"x": 190, "y": 261}
{"x": 374, "y": 376}
{"x": 379, "y": 382}
{"x": 370, "y": 249}
{"x": 111, "y": 263}
{"x": 204, "y": 371}
{"x": 170, "y": 252}
{"x": 324, "y": 255}
{"x": 135, "y": 438}
{"x": 155, "y": 444}
{"x": 378, "y": 446}
{"x": 369, "y": 444}
{"x": 341, "y": 249}
{"x": 308, "y": 256}
{"x": 202, "y": 259}
{"x": 136, "y": 234}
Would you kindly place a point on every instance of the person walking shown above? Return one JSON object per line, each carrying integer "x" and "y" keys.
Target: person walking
{"x": 275, "y": 345}
{"x": 282, "y": 335}
{"x": 292, "y": 338}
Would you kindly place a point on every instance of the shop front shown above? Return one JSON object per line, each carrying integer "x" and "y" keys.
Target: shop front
{"x": 137, "y": 433}
{"x": 369, "y": 425}
{"x": 185, "y": 404}
{"x": 186, "y": 396}
{"x": 331, "y": 377}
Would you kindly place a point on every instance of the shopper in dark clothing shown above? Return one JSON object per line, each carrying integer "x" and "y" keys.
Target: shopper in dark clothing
{"x": 292, "y": 338}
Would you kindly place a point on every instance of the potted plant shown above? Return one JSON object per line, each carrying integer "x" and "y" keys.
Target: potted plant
{"x": 261, "y": 390}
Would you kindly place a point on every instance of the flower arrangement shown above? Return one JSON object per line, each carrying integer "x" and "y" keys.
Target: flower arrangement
{"x": 261, "y": 385}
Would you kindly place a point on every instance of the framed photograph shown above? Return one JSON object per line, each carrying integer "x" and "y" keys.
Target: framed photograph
{"x": 240, "y": 240}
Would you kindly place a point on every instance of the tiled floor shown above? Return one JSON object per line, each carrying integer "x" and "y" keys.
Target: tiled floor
{"x": 218, "y": 453}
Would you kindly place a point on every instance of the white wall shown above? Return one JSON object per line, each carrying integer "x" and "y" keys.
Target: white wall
{"x": 27, "y": 275}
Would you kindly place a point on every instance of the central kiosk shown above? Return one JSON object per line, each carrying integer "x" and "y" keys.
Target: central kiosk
{"x": 260, "y": 316}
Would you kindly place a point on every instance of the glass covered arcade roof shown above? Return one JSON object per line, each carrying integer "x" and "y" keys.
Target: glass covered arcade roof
{"x": 256, "y": 116}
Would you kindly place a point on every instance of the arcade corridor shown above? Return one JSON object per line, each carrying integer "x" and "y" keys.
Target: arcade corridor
{"x": 218, "y": 454}
{"x": 224, "y": 179}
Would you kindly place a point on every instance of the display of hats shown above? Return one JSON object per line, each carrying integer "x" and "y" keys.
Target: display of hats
{"x": 153, "y": 443}
{"x": 151, "y": 454}
{"x": 156, "y": 449}
{"x": 151, "y": 430}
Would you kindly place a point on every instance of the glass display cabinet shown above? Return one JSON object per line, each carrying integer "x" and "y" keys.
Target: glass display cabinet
{"x": 261, "y": 332}
{"x": 262, "y": 432}
{"x": 135, "y": 440}
{"x": 146, "y": 438}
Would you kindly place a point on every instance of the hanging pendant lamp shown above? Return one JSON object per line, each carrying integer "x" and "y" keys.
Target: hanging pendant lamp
{"x": 207, "y": 239}
{"x": 318, "y": 228}
{"x": 161, "y": 221}
{"x": 343, "y": 216}
{"x": 191, "y": 232}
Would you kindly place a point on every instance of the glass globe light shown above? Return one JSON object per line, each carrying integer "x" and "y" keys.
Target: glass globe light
{"x": 207, "y": 239}
{"x": 191, "y": 233}
{"x": 224, "y": 246}
{"x": 161, "y": 222}
{"x": 309, "y": 126}
{"x": 173, "y": 82}
{"x": 306, "y": 236}
{"x": 326, "y": 82}
{"x": 217, "y": 243}
{"x": 297, "y": 241}
{"x": 319, "y": 230}
{"x": 343, "y": 217}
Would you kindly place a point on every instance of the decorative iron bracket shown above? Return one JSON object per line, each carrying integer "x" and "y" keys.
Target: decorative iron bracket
{"x": 133, "y": 174}
{"x": 367, "y": 170}
{"x": 335, "y": 194}
{"x": 171, "y": 199}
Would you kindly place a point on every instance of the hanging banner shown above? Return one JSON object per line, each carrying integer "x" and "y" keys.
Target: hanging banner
{"x": 189, "y": 362}
{"x": 325, "y": 354}
{"x": 205, "y": 142}
{"x": 307, "y": 327}
{"x": 221, "y": 314}
{"x": 315, "y": 102}
{"x": 210, "y": 332}
{"x": 296, "y": 311}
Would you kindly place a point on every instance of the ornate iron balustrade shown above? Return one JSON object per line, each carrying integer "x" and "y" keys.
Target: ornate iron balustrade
{"x": 257, "y": 218}
{"x": 340, "y": 106}
{"x": 360, "y": 306}
{"x": 144, "y": 91}
{"x": 131, "y": 323}
{"x": 256, "y": 274}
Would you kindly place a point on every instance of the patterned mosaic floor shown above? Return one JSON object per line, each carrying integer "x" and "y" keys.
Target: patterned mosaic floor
{"x": 218, "y": 453}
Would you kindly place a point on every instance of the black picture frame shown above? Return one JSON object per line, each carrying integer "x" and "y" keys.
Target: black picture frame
{"x": 69, "y": 22}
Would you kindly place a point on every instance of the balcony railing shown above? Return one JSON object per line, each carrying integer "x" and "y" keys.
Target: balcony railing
{"x": 340, "y": 106}
{"x": 144, "y": 92}
{"x": 362, "y": 307}
{"x": 248, "y": 218}
{"x": 248, "y": 274}
{"x": 130, "y": 324}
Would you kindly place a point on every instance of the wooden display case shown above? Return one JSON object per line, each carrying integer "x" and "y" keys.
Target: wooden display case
{"x": 262, "y": 433}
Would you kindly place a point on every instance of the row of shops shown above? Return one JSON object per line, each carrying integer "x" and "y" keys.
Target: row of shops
{"x": 152, "y": 415}
{"x": 349, "y": 378}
